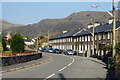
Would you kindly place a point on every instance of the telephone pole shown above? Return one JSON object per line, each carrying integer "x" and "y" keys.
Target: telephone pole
{"x": 114, "y": 26}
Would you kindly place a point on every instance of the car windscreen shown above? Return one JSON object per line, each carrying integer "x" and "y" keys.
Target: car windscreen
{"x": 69, "y": 50}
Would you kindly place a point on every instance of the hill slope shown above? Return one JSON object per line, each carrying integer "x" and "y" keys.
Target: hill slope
{"x": 6, "y": 25}
{"x": 73, "y": 21}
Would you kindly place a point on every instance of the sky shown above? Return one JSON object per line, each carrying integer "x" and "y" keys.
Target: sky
{"x": 33, "y": 12}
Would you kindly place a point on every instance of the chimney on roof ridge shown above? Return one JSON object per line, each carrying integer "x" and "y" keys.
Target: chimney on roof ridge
{"x": 110, "y": 21}
{"x": 64, "y": 31}
{"x": 96, "y": 24}
{"x": 90, "y": 25}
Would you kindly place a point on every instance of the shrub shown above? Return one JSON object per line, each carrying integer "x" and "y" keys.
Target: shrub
{"x": 17, "y": 43}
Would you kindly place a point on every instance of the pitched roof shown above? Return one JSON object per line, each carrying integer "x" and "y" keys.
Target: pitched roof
{"x": 28, "y": 40}
{"x": 59, "y": 36}
{"x": 101, "y": 28}
{"x": 67, "y": 34}
{"x": 79, "y": 32}
{"x": 72, "y": 33}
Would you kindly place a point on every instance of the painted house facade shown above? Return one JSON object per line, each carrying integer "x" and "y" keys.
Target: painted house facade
{"x": 81, "y": 40}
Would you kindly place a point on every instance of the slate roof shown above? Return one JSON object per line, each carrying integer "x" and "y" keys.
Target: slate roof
{"x": 67, "y": 34}
{"x": 72, "y": 33}
{"x": 28, "y": 40}
{"x": 59, "y": 36}
{"x": 101, "y": 28}
{"x": 98, "y": 29}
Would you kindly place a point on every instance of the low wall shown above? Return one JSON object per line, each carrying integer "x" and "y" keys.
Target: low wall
{"x": 6, "y": 61}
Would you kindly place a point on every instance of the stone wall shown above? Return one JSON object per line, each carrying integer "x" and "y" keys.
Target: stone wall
{"x": 6, "y": 61}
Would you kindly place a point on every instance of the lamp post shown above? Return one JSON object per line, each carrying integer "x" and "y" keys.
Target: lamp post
{"x": 114, "y": 23}
{"x": 93, "y": 34}
{"x": 37, "y": 43}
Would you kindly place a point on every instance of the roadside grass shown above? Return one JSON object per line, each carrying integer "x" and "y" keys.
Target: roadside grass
{"x": 7, "y": 52}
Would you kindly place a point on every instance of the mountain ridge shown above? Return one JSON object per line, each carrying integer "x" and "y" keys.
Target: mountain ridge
{"x": 73, "y": 21}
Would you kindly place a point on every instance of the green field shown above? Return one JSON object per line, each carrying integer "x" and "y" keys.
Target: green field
{"x": 7, "y": 52}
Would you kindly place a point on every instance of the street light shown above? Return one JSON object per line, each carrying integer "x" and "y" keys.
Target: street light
{"x": 93, "y": 34}
{"x": 114, "y": 22}
{"x": 96, "y": 6}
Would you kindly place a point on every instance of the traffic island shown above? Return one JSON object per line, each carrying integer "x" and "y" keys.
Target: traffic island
{"x": 19, "y": 58}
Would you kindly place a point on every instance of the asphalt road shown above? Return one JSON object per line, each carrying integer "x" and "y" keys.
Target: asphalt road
{"x": 62, "y": 66}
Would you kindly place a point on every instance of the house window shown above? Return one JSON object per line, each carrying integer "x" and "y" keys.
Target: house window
{"x": 104, "y": 36}
{"x": 88, "y": 47}
{"x": 77, "y": 39}
{"x": 88, "y": 38}
{"x": 100, "y": 37}
{"x": 74, "y": 39}
{"x": 85, "y": 38}
{"x": 71, "y": 39}
{"x": 80, "y": 39}
{"x": 95, "y": 37}
{"x": 85, "y": 46}
{"x": 108, "y": 35}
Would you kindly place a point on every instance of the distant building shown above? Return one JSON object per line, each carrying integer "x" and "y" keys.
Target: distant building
{"x": 29, "y": 42}
{"x": 8, "y": 37}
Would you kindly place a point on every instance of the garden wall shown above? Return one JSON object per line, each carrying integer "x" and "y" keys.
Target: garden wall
{"x": 6, "y": 61}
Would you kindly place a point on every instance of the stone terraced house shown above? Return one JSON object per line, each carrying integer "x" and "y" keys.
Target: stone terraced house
{"x": 81, "y": 40}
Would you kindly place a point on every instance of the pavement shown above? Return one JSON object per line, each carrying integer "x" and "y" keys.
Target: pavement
{"x": 62, "y": 67}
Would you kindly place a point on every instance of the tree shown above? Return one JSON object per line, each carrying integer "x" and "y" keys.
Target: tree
{"x": 1, "y": 48}
{"x": 3, "y": 41}
{"x": 17, "y": 43}
{"x": 117, "y": 47}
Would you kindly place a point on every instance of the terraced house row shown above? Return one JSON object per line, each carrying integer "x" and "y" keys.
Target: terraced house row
{"x": 81, "y": 40}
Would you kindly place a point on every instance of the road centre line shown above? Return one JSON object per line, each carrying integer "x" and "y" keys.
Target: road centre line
{"x": 63, "y": 68}
{"x": 69, "y": 64}
{"x": 50, "y": 76}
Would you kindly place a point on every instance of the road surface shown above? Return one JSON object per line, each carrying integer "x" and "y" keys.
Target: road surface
{"x": 62, "y": 66}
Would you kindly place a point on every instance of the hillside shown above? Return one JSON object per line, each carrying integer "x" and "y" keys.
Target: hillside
{"x": 73, "y": 21}
{"x": 6, "y": 25}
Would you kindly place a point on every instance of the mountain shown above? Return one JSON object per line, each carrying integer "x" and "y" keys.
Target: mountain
{"x": 6, "y": 25}
{"x": 74, "y": 21}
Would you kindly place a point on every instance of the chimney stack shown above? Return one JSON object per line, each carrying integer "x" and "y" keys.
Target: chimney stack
{"x": 90, "y": 25}
{"x": 64, "y": 31}
{"x": 110, "y": 20}
{"x": 96, "y": 24}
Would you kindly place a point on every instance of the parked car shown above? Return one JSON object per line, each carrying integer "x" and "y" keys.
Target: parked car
{"x": 42, "y": 49}
{"x": 69, "y": 52}
{"x": 56, "y": 51}
{"x": 50, "y": 50}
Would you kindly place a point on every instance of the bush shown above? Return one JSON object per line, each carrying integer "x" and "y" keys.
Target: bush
{"x": 3, "y": 43}
{"x": 17, "y": 43}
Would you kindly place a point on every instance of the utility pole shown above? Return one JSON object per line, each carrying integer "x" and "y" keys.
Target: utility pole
{"x": 93, "y": 39}
{"x": 114, "y": 26}
{"x": 37, "y": 44}
{"x": 48, "y": 37}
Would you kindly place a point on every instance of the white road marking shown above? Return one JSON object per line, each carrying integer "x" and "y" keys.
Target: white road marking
{"x": 50, "y": 76}
{"x": 69, "y": 64}
{"x": 62, "y": 68}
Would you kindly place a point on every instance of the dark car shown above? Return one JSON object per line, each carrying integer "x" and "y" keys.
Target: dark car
{"x": 57, "y": 51}
{"x": 69, "y": 51}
